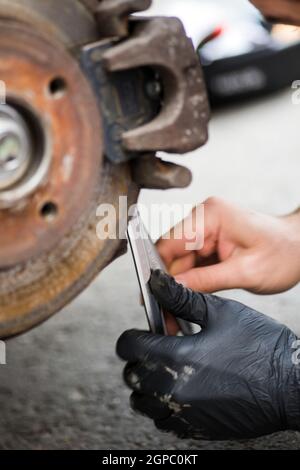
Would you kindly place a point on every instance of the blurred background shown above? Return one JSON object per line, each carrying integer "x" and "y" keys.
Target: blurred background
{"x": 62, "y": 387}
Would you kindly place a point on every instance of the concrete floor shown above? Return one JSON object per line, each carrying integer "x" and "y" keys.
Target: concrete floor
{"x": 62, "y": 387}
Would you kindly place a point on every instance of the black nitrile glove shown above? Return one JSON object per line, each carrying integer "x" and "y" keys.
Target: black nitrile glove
{"x": 234, "y": 379}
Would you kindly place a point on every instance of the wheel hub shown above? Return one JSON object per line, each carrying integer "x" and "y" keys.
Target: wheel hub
{"x": 24, "y": 161}
{"x": 14, "y": 147}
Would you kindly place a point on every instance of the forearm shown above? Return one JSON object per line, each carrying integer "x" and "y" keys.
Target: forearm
{"x": 285, "y": 11}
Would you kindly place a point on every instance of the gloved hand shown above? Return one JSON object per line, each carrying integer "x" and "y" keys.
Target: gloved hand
{"x": 234, "y": 379}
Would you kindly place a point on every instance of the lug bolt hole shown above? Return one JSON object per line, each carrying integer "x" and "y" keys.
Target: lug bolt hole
{"x": 49, "y": 211}
{"x": 57, "y": 87}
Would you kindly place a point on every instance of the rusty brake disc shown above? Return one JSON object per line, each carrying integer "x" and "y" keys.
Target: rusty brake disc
{"x": 92, "y": 94}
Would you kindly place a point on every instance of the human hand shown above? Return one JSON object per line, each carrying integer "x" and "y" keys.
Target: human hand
{"x": 234, "y": 379}
{"x": 242, "y": 249}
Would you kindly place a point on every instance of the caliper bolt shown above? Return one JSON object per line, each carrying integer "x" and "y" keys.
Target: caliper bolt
{"x": 10, "y": 158}
{"x": 154, "y": 89}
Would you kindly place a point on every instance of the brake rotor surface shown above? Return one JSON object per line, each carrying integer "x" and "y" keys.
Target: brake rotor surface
{"x": 49, "y": 251}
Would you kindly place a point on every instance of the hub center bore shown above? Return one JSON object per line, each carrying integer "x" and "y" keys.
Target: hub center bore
{"x": 24, "y": 154}
{"x": 15, "y": 147}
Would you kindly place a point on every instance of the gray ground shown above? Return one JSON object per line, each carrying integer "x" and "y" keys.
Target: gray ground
{"x": 62, "y": 387}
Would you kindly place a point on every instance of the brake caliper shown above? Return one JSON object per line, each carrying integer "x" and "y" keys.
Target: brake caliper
{"x": 150, "y": 90}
